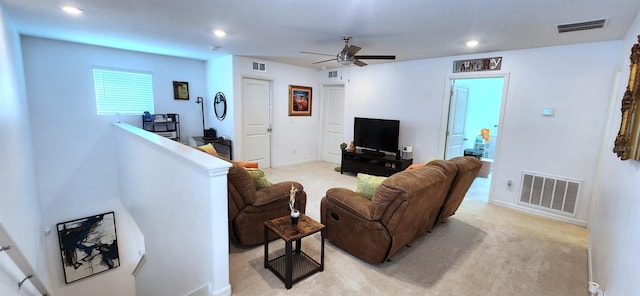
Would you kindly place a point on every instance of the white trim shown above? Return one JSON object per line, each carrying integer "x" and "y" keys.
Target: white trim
{"x": 589, "y": 262}
{"x": 141, "y": 263}
{"x": 322, "y": 111}
{"x": 444, "y": 121}
{"x": 539, "y": 213}
{"x": 447, "y": 101}
{"x": 212, "y": 165}
{"x": 11, "y": 249}
{"x": 202, "y": 291}
{"x": 225, "y": 291}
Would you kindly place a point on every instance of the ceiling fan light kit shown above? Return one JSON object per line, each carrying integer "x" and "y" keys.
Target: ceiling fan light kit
{"x": 348, "y": 55}
{"x": 345, "y": 60}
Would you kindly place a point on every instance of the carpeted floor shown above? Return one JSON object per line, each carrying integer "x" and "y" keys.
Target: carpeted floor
{"x": 483, "y": 249}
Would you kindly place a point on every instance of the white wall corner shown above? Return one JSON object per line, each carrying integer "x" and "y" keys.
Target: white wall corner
{"x": 589, "y": 261}
{"x": 225, "y": 291}
{"x": 202, "y": 291}
{"x": 206, "y": 291}
{"x": 138, "y": 267}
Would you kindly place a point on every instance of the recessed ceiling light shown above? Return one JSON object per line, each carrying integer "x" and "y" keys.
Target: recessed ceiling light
{"x": 72, "y": 10}
{"x": 472, "y": 43}
{"x": 220, "y": 33}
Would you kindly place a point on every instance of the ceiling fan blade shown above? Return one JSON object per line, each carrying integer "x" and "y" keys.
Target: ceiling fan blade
{"x": 359, "y": 63}
{"x": 323, "y": 54}
{"x": 353, "y": 50}
{"x": 376, "y": 57}
{"x": 325, "y": 61}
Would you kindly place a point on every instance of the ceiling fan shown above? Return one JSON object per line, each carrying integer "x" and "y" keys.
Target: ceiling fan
{"x": 348, "y": 55}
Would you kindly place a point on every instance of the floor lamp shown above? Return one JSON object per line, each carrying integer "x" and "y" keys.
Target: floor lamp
{"x": 200, "y": 100}
{"x": 207, "y": 134}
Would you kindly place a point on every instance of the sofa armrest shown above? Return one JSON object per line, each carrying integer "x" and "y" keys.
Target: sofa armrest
{"x": 351, "y": 201}
{"x": 276, "y": 193}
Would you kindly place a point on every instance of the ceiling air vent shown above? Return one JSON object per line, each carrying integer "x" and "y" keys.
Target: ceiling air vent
{"x": 259, "y": 67}
{"x": 595, "y": 24}
{"x": 333, "y": 74}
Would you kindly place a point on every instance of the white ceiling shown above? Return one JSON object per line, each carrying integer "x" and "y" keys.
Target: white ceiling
{"x": 278, "y": 30}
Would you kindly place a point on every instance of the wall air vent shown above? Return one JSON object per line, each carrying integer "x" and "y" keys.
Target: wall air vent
{"x": 257, "y": 66}
{"x": 333, "y": 74}
{"x": 549, "y": 193}
{"x": 589, "y": 25}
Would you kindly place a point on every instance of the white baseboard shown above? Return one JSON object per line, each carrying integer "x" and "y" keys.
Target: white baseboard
{"x": 225, "y": 291}
{"x": 206, "y": 291}
{"x": 138, "y": 267}
{"x": 539, "y": 213}
{"x": 203, "y": 291}
{"x": 589, "y": 261}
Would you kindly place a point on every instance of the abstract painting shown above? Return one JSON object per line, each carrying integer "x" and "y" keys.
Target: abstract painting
{"x": 88, "y": 246}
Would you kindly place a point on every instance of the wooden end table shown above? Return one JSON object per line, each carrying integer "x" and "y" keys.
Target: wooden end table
{"x": 294, "y": 265}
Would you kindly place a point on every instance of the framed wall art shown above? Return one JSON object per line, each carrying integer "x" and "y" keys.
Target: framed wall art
{"x": 88, "y": 246}
{"x": 299, "y": 100}
{"x": 180, "y": 90}
{"x": 627, "y": 143}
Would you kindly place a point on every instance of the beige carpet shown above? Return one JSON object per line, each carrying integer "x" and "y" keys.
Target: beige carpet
{"x": 482, "y": 250}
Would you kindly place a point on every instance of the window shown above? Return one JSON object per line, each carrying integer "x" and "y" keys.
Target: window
{"x": 122, "y": 92}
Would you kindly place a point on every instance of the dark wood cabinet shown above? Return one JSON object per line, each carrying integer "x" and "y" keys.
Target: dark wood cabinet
{"x": 378, "y": 165}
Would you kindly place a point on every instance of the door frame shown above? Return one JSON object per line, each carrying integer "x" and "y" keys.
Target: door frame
{"x": 445, "y": 114}
{"x": 454, "y": 91}
{"x": 271, "y": 117}
{"x": 447, "y": 102}
{"x": 323, "y": 115}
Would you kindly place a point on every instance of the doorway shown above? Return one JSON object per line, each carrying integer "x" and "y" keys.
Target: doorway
{"x": 257, "y": 121}
{"x": 333, "y": 127}
{"x": 475, "y": 106}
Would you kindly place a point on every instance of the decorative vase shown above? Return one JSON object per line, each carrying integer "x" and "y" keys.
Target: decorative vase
{"x": 295, "y": 215}
{"x": 352, "y": 147}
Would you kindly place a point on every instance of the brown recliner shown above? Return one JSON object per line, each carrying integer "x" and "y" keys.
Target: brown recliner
{"x": 467, "y": 170}
{"x": 250, "y": 208}
{"x": 403, "y": 208}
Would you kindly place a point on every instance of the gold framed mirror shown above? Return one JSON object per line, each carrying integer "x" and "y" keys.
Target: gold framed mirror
{"x": 627, "y": 143}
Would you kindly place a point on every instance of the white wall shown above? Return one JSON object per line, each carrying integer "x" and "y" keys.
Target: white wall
{"x": 220, "y": 79}
{"x": 19, "y": 209}
{"x": 74, "y": 149}
{"x": 180, "y": 205}
{"x": 290, "y": 133}
{"x": 614, "y": 230}
{"x": 566, "y": 145}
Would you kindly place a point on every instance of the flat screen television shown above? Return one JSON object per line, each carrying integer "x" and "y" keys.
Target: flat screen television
{"x": 376, "y": 134}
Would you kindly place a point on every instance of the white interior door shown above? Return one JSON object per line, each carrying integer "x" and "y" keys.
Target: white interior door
{"x": 333, "y": 134}
{"x": 257, "y": 121}
{"x": 457, "y": 122}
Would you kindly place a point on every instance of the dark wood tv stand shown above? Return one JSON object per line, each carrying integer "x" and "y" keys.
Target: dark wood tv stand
{"x": 385, "y": 165}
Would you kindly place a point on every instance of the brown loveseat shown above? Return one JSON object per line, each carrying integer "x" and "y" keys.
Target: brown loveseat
{"x": 250, "y": 208}
{"x": 405, "y": 206}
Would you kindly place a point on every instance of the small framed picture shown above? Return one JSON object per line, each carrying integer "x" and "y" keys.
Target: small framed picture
{"x": 181, "y": 90}
{"x": 299, "y": 100}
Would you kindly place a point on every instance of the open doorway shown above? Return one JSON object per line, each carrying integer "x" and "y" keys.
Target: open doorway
{"x": 472, "y": 126}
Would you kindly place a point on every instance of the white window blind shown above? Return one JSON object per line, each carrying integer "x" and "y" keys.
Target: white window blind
{"x": 122, "y": 92}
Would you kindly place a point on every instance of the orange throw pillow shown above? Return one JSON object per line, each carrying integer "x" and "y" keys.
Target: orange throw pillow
{"x": 248, "y": 164}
